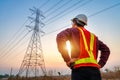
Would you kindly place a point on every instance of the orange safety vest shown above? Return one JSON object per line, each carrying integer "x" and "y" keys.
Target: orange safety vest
{"x": 87, "y": 55}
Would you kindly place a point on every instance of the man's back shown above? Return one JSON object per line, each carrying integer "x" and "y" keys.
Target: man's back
{"x": 72, "y": 34}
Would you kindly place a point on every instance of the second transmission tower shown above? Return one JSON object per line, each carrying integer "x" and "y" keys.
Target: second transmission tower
{"x": 33, "y": 63}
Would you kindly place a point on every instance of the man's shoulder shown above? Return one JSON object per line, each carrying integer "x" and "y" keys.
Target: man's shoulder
{"x": 69, "y": 31}
{"x": 72, "y": 29}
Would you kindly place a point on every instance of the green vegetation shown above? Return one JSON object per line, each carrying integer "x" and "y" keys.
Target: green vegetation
{"x": 4, "y": 76}
{"x": 111, "y": 74}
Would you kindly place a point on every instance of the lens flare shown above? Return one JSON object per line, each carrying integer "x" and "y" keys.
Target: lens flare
{"x": 68, "y": 46}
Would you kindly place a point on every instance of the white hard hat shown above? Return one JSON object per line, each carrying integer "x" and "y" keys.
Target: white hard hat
{"x": 82, "y": 18}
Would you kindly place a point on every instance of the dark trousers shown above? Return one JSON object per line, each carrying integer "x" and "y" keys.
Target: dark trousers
{"x": 86, "y": 73}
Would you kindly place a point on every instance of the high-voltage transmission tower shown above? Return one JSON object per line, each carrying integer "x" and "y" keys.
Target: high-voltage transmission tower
{"x": 33, "y": 63}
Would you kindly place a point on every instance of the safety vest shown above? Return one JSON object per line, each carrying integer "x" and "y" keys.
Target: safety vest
{"x": 87, "y": 55}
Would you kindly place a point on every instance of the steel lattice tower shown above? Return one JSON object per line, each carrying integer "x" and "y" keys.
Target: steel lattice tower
{"x": 33, "y": 63}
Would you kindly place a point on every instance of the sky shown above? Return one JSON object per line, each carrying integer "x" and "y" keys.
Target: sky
{"x": 103, "y": 20}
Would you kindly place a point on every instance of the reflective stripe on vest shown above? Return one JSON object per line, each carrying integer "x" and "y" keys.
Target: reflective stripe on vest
{"x": 90, "y": 59}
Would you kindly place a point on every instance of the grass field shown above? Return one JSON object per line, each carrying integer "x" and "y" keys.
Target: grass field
{"x": 106, "y": 75}
{"x": 57, "y": 78}
{"x": 42, "y": 78}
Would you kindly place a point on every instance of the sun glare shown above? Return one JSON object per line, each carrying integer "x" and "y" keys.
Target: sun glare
{"x": 68, "y": 46}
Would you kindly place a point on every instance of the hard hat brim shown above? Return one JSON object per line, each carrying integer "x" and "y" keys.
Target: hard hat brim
{"x": 79, "y": 20}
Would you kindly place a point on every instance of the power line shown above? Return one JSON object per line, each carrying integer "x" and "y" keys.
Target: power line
{"x": 7, "y": 45}
{"x": 16, "y": 36}
{"x": 12, "y": 51}
{"x": 53, "y": 6}
{"x": 94, "y": 14}
{"x": 9, "y": 42}
{"x": 12, "y": 41}
{"x": 64, "y": 10}
{"x": 23, "y": 44}
{"x": 44, "y": 4}
{"x": 103, "y": 10}
{"x": 15, "y": 44}
{"x": 56, "y": 30}
{"x": 69, "y": 12}
{"x": 59, "y": 7}
{"x": 14, "y": 56}
{"x": 13, "y": 38}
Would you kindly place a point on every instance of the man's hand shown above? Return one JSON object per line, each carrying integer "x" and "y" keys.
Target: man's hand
{"x": 71, "y": 61}
{"x": 68, "y": 63}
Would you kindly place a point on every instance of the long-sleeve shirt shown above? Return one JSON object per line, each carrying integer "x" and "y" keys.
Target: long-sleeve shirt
{"x": 73, "y": 35}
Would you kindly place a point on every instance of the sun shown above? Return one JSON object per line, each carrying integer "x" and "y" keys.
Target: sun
{"x": 68, "y": 46}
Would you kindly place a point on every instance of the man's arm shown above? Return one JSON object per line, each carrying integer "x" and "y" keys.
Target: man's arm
{"x": 105, "y": 52}
{"x": 61, "y": 39}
